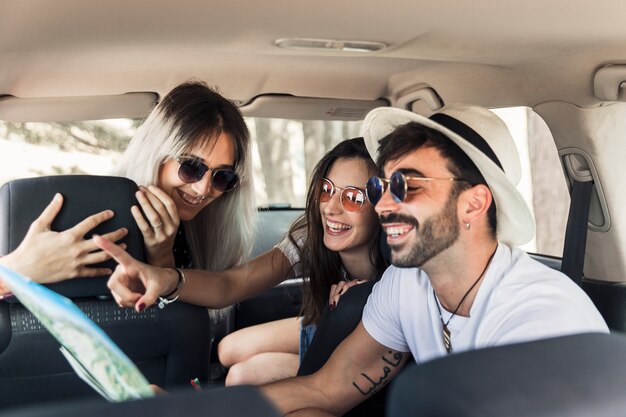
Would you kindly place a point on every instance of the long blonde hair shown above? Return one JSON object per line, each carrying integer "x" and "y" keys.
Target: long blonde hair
{"x": 193, "y": 114}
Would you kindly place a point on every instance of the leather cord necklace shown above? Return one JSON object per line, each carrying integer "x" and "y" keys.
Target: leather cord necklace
{"x": 447, "y": 341}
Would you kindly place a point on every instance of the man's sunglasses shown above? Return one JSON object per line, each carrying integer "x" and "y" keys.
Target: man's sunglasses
{"x": 398, "y": 186}
{"x": 193, "y": 170}
{"x": 351, "y": 198}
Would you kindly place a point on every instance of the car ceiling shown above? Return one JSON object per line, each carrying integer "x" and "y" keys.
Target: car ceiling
{"x": 489, "y": 52}
{"x": 542, "y": 54}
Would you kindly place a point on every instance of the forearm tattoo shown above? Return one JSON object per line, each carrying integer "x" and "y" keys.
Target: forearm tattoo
{"x": 367, "y": 385}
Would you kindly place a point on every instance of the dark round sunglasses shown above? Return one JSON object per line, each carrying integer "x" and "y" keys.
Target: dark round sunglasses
{"x": 398, "y": 186}
{"x": 351, "y": 198}
{"x": 193, "y": 170}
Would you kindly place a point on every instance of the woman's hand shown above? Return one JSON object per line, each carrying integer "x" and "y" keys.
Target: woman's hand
{"x": 4, "y": 291}
{"x": 339, "y": 289}
{"x": 134, "y": 283}
{"x": 158, "y": 224}
{"x": 47, "y": 256}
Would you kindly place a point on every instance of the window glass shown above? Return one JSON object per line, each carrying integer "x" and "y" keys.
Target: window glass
{"x": 286, "y": 151}
{"x": 34, "y": 149}
{"x": 543, "y": 183}
{"x": 284, "y": 154}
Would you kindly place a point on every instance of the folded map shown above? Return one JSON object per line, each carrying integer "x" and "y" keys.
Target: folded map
{"x": 88, "y": 349}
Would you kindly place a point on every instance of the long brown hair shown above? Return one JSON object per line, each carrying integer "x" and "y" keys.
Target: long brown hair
{"x": 322, "y": 266}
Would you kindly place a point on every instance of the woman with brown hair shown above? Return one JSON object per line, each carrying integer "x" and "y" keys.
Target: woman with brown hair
{"x": 335, "y": 245}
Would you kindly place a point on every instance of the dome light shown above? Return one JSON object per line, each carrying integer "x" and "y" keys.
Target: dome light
{"x": 329, "y": 44}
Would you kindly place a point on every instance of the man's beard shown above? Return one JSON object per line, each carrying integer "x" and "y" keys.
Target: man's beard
{"x": 434, "y": 236}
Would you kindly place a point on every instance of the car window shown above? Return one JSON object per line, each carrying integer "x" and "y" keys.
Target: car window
{"x": 543, "y": 184}
{"x": 284, "y": 159}
{"x": 87, "y": 147}
{"x": 284, "y": 151}
{"x": 284, "y": 154}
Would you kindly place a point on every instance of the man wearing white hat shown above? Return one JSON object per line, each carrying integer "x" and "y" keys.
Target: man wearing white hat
{"x": 453, "y": 218}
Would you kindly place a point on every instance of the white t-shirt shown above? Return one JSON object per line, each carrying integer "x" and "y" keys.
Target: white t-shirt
{"x": 519, "y": 300}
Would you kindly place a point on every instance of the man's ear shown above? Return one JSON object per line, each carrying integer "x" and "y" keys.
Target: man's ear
{"x": 475, "y": 203}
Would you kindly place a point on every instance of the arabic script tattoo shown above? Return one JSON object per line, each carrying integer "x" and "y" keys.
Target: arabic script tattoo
{"x": 367, "y": 385}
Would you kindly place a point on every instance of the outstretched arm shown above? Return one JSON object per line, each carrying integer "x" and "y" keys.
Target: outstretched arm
{"x": 136, "y": 284}
{"x": 47, "y": 256}
{"x": 358, "y": 368}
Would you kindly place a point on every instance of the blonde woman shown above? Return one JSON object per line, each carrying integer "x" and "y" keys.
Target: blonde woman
{"x": 195, "y": 147}
{"x": 191, "y": 158}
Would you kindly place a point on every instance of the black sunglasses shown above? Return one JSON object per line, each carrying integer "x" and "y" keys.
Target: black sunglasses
{"x": 398, "y": 187}
{"x": 193, "y": 170}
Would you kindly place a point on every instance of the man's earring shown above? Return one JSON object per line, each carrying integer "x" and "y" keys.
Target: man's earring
{"x": 467, "y": 226}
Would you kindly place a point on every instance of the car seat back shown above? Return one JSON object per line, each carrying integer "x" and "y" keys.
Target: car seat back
{"x": 577, "y": 375}
{"x": 169, "y": 346}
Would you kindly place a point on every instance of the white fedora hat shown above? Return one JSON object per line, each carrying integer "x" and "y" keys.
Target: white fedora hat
{"x": 486, "y": 140}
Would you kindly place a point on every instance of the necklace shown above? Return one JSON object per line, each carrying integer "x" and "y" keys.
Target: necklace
{"x": 344, "y": 274}
{"x": 447, "y": 341}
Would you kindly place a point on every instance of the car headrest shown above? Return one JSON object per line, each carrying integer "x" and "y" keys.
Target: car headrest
{"x": 23, "y": 200}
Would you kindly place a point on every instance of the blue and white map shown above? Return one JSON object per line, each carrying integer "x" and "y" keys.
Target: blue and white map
{"x": 92, "y": 354}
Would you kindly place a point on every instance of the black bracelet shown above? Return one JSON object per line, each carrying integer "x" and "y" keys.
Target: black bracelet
{"x": 165, "y": 299}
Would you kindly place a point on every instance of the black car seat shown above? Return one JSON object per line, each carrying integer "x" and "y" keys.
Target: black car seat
{"x": 333, "y": 327}
{"x": 169, "y": 346}
{"x": 235, "y": 401}
{"x": 575, "y": 376}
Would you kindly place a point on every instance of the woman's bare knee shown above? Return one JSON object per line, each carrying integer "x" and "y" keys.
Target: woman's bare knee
{"x": 250, "y": 372}
{"x": 263, "y": 368}
{"x": 227, "y": 351}
{"x": 237, "y": 375}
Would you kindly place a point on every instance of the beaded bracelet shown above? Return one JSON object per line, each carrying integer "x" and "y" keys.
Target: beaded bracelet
{"x": 165, "y": 300}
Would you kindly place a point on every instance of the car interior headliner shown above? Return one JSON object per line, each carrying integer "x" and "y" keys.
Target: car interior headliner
{"x": 521, "y": 52}
{"x": 73, "y": 60}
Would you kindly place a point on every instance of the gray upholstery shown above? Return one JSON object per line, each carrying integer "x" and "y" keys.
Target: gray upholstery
{"x": 272, "y": 227}
{"x": 169, "y": 346}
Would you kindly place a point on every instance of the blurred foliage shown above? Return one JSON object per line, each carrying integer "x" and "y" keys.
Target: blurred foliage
{"x": 88, "y": 136}
{"x": 288, "y": 150}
